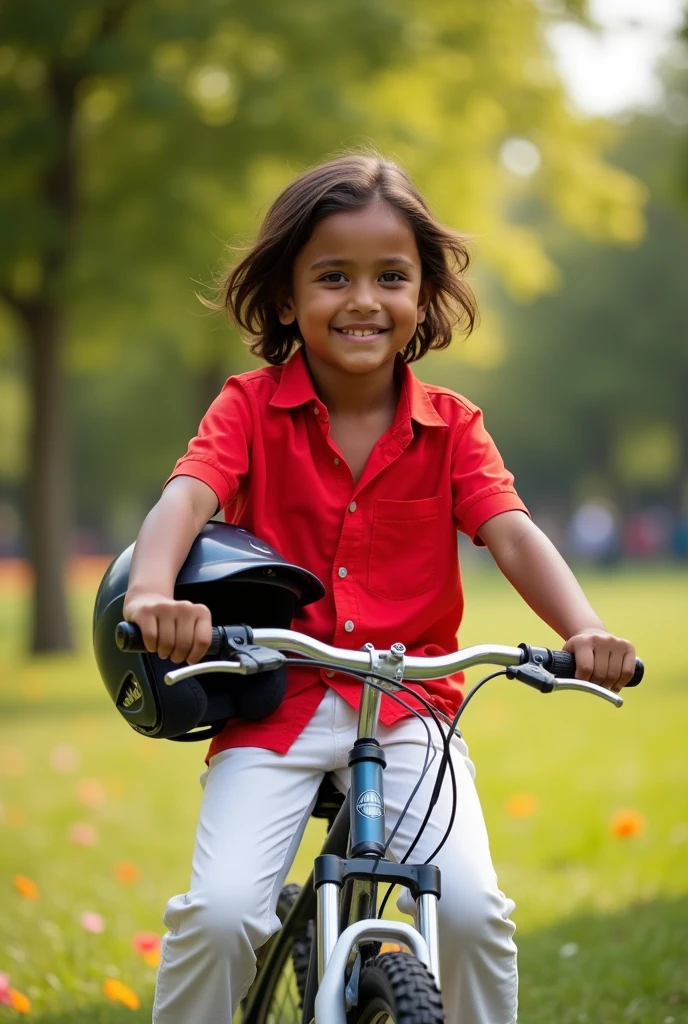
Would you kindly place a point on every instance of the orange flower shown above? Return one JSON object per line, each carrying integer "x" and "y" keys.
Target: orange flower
{"x": 19, "y": 1002}
{"x": 91, "y": 792}
{"x": 521, "y": 805}
{"x": 12, "y": 762}
{"x": 15, "y": 816}
{"x": 151, "y": 958}
{"x": 118, "y": 992}
{"x": 25, "y": 886}
{"x": 625, "y": 824}
{"x": 126, "y": 872}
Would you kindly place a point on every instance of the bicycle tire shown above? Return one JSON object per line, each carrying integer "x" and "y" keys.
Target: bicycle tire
{"x": 395, "y": 988}
{"x": 283, "y": 1002}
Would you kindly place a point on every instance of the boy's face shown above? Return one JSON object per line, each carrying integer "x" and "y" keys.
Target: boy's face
{"x": 359, "y": 270}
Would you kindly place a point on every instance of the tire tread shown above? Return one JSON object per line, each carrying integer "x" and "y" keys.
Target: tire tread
{"x": 406, "y": 984}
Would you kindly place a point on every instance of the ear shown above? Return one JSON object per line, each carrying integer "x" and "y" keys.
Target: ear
{"x": 286, "y": 310}
{"x": 425, "y": 294}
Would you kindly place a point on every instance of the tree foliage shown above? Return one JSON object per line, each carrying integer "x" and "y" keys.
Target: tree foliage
{"x": 589, "y": 397}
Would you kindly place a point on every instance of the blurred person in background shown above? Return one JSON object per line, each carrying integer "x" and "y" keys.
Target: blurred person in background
{"x": 648, "y": 533}
{"x": 594, "y": 533}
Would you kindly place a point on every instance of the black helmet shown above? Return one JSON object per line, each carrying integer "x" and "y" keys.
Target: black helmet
{"x": 241, "y": 579}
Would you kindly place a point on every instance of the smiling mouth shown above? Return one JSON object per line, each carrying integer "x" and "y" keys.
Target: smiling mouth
{"x": 363, "y": 334}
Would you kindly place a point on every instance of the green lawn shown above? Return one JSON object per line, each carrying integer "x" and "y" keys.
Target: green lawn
{"x": 602, "y": 921}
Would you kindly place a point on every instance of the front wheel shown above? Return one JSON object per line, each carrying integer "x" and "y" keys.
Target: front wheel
{"x": 395, "y": 988}
{"x": 282, "y": 995}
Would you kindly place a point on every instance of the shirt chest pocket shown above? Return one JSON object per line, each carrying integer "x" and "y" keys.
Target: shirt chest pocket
{"x": 404, "y": 547}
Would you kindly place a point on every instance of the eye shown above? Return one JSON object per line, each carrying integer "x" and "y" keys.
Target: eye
{"x": 333, "y": 273}
{"x": 395, "y": 273}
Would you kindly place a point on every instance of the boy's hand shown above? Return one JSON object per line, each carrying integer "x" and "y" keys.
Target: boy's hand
{"x": 602, "y": 658}
{"x": 178, "y": 630}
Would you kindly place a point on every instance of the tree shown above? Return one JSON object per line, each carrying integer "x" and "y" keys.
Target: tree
{"x": 155, "y": 73}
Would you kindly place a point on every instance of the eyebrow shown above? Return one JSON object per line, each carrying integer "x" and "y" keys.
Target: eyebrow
{"x": 399, "y": 260}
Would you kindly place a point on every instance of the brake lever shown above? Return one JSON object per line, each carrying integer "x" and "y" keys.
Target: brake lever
{"x": 540, "y": 679}
{"x": 533, "y": 675}
{"x": 598, "y": 691}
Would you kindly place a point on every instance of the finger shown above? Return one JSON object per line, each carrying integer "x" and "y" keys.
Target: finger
{"x": 628, "y": 667}
{"x": 167, "y": 629}
{"x": 183, "y": 640}
{"x": 614, "y": 671}
{"x": 203, "y": 632}
{"x": 148, "y": 624}
{"x": 585, "y": 662}
{"x": 600, "y": 673}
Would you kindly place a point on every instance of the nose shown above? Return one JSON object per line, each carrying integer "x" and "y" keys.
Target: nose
{"x": 363, "y": 297}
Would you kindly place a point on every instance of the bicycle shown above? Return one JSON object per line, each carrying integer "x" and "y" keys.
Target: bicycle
{"x": 325, "y": 966}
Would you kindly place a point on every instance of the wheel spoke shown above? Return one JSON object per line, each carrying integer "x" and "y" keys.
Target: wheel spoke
{"x": 285, "y": 1005}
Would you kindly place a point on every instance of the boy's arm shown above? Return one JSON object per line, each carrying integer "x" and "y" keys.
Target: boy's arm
{"x": 178, "y": 630}
{"x": 538, "y": 572}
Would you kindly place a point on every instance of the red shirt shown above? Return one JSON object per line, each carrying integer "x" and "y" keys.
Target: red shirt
{"x": 385, "y": 548}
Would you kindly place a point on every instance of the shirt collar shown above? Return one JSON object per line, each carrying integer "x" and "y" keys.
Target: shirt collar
{"x": 413, "y": 390}
{"x": 296, "y": 388}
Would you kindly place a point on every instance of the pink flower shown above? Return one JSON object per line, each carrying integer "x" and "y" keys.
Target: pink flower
{"x": 65, "y": 759}
{"x": 83, "y": 834}
{"x": 5, "y": 998}
{"x": 92, "y": 922}
{"x": 146, "y": 942}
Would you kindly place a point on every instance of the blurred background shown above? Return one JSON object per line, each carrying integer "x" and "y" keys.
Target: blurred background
{"x": 140, "y": 138}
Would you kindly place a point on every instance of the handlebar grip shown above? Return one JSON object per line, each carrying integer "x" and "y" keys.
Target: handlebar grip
{"x": 563, "y": 664}
{"x": 128, "y": 638}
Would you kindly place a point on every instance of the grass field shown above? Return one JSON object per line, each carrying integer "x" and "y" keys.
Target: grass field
{"x": 102, "y": 820}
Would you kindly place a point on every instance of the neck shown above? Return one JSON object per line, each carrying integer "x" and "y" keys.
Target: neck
{"x": 353, "y": 393}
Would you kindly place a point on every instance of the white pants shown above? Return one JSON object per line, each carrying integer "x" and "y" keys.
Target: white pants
{"x": 255, "y": 807}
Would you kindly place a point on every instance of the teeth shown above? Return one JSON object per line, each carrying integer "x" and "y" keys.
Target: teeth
{"x": 360, "y": 334}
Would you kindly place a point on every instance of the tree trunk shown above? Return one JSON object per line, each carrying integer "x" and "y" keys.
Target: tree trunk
{"x": 49, "y": 477}
{"x": 48, "y": 488}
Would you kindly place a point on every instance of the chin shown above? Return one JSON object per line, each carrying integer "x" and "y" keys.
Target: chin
{"x": 365, "y": 362}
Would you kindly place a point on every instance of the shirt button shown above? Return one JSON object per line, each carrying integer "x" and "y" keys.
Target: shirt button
{"x": 336, "y": 462}
{"x": 329, "y": 674}
{"x": 353, "y": 506}
{"x": 316, "y": 411}
{"x": 349, "y": 626}
{"x": 343, "y": 572}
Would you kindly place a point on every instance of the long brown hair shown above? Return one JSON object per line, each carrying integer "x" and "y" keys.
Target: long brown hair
{"x": 249, "y": 291}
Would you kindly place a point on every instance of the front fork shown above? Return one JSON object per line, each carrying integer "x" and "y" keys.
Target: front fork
{"x": 423, "y": 880}
{"x": 367, "y": 848}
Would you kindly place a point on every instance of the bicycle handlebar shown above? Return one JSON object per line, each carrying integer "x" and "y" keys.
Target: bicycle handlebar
{"x": 561, "y": 664}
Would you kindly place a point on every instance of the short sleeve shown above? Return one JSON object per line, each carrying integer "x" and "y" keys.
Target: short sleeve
{"x": 482, "y": 487}
{"x": 219, "y": 454}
